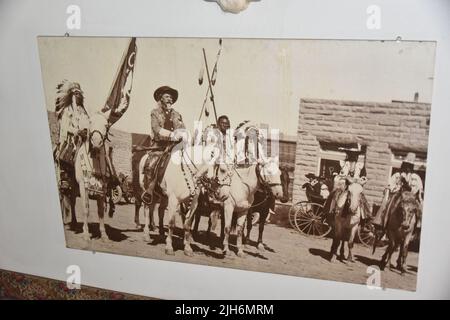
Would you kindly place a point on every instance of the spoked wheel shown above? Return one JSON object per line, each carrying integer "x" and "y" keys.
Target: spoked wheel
{"x": 309, "y": 219}
{"x": 366, "y": 234}
{"x": 116, "y": 194}
{"x": 291, "y": 215}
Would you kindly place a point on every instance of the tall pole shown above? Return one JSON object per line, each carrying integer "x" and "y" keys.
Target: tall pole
{"x": 210, "y": 85}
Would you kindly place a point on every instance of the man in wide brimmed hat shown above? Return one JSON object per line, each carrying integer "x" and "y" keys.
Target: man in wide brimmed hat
{"x": 406, "y": 179}
{"x": 167, "y": 129}
{"x": 351, "y": 168}
{"x": 165, "y": 121}
{"x": 403, "y": 180}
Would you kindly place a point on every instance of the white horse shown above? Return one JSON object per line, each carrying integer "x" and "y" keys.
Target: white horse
{"x": 265, "y": 174}
{"x": 179, "y": 185}
{"x": 259, "y": 173}
{"x": 91, "y": 169}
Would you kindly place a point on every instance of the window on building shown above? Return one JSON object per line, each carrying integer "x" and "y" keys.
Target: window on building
{"x": 330, "y": 156}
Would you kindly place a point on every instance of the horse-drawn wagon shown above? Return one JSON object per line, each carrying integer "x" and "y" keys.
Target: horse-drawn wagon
{"x": 308, "y": 216}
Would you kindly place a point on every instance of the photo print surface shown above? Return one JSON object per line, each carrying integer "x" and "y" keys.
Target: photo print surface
{"x": 298, "y": 157}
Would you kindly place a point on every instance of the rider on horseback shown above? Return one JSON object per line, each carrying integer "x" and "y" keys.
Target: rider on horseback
{"x": 166, "y": 124}
{"x": 73, "y": 130}
{"x": 404, "y": 180}
{"x": 217, "y": 137}
{"x": 352, "y": 171}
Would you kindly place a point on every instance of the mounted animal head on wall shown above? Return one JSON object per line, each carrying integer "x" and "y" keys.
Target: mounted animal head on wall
{"x": 233, "y": 6}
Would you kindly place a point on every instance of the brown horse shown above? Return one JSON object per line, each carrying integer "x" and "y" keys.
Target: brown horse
{"x": 404, "y": 210}
{"x": 347, "y": 218}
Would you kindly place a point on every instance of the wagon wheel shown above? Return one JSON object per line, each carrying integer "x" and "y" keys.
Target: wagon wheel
{"x": 291, "y": 214}
{"x": 366, "y": 234}
{"x": 116, "y": 194}
{"x": 309, "y": 220}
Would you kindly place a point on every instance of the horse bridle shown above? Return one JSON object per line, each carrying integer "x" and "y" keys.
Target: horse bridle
{"x": 412, "y": 216}
{"x": 263, "y": 181}
{"x": 205, "y": 182}
{"x": 228, "y": 176}
{"x": 266, "y": 186}
{"x": 103, "y": 137}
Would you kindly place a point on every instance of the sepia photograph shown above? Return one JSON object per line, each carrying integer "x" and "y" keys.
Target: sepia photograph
{"x": 298, "y": 157}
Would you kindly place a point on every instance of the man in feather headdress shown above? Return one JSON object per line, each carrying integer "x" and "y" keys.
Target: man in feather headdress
{"x": 73, "y": 128}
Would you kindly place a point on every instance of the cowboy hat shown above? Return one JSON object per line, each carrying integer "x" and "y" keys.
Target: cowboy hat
{"x": 408, "y": 162}
{"x": 311, "y": 176}
{"x": 165, "y": 89}
{"x": 352, "y": 151}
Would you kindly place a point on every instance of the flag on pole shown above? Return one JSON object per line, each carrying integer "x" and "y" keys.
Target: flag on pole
{"x": 119, "y": 97}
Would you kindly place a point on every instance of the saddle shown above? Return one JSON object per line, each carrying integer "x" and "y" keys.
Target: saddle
{"x": 154, "y": 169}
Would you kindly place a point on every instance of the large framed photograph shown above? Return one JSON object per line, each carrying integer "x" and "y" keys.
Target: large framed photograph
{"x": 298, "y": 157}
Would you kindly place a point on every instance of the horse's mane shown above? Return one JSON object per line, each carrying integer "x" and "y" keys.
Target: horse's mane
{"x": 410, "y": 199}
{"x": 402, "y": 198}
{"x": 64, "y": 95}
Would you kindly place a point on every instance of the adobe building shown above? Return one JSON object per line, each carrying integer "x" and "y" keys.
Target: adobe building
{"x": 386, "y": 131}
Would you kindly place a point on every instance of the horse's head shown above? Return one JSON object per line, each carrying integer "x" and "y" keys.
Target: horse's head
{"x": 355, "y": 191}
{"x": 407, "y": 210}
{"x": 223, "y": 178}
{"x": 99, "y": 129}
{"x": 351, "y": 198}
{"x": 269, "y": 176}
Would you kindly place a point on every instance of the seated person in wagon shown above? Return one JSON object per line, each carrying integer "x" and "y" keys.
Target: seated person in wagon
{"x": 316, "y": 188}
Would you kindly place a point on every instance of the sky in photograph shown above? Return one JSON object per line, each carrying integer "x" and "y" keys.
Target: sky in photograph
{"x": 261, "y": 80}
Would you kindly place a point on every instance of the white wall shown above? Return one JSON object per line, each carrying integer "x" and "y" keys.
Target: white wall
{"x": 31, "y": 234}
